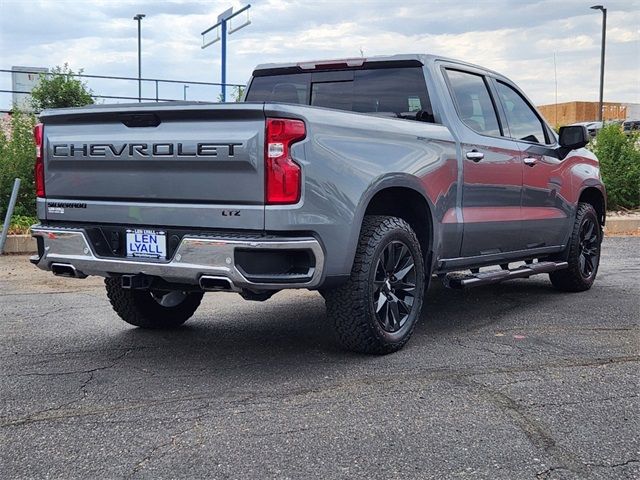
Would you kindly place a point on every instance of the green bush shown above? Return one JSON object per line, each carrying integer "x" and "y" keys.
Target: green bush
{"x": 21, "y": 224}
{"x": 619, "y": 156}
{"x": 17, "y": 158}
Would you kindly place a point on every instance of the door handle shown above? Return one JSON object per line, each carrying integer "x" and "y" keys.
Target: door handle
{"x": 475, "y": 155}
{"x": 531, "y": 161}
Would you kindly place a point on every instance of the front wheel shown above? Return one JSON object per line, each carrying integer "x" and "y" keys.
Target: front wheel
{"x": 154, "y": 309}
{"x": 584, "y": 253}
{"x": 376, "y": 310}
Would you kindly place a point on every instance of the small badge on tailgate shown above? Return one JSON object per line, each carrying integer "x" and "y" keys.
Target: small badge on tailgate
{"x": 58, "y": 207}
{"x": 146, "y": 244}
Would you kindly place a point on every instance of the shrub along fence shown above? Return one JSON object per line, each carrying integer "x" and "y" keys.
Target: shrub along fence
{"x": 17, "y": 156}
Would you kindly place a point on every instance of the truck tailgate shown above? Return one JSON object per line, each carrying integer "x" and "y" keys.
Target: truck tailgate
{"x": 161, "y": 159}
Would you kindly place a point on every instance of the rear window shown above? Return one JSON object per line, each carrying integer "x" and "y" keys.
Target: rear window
{"x": 396, "y": 91}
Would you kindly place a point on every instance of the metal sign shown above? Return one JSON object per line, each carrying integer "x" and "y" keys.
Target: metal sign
{"x": 222, "y": 28}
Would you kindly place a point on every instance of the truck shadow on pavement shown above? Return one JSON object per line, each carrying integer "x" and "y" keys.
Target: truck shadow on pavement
{"x": 291, "y": 325}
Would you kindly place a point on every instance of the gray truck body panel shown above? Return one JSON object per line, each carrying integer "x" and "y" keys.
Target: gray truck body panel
{"x": 346, "y": 159}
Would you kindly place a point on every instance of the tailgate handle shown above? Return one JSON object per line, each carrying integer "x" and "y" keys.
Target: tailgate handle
{"x": 140, "y": 119}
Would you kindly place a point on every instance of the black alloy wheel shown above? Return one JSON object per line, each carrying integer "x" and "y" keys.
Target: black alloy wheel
{"x": 394, "y": 286}
{"x": 589, "y": 247}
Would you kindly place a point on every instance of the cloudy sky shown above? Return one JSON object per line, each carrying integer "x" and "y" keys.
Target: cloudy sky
{"x": 516, "y": 37}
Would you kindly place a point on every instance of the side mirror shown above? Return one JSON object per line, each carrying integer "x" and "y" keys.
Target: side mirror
{"x": 573, "y": 137}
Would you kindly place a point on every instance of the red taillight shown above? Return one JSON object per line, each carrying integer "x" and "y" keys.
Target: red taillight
{"x": 282, "y": 173}
{"x": 39, "y": 167}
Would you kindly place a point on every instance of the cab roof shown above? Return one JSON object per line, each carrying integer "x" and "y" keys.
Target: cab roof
{"x": 355, "y": 62}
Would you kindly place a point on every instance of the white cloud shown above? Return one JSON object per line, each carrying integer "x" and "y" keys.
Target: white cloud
{"x": 514, "y": 37}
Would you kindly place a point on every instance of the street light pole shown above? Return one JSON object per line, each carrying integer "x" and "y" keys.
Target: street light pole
{"x": 604, "y": 36}
{"x": 139, "y": 18}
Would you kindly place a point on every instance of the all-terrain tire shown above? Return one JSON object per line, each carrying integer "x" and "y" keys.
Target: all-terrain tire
{"x": 584, "y": 252}
{"x": 140, "y": 308}
{"x": 352, "y": 306}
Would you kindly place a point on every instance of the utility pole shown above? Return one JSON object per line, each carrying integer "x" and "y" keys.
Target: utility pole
{"x": 184, "y": 91}
{"x": 139, "y": 18}
{"x": 604, "y": 36}
{"x": 555, "y": 73}
{"x": 224, "y": 18}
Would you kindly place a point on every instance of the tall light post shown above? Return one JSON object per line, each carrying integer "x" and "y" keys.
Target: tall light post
{"x": 139, "y": 18}
{"x": 184, "y": 91}
{"x": 604, "y": 36}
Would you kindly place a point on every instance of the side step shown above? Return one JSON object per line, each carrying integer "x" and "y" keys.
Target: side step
{"x": 461, "y": 281}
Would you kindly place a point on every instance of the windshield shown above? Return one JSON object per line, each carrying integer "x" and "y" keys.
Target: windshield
{"x": 401, "y": 92}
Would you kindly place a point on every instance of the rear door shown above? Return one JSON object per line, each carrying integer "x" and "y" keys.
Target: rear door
{"x": 492, "y": 168}
{"x": 199, "y": 166}
{"x": 545, "y": 210}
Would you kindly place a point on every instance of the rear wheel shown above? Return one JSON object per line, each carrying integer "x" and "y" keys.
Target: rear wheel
{"x": 157, "y": 309}
{"x": 378, "y": 308}
{"x": 584, "y": 253}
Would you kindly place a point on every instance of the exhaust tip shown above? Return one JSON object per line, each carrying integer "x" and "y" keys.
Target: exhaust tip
{"x": 65, "y": 270}
{"x": 215, "y": 284}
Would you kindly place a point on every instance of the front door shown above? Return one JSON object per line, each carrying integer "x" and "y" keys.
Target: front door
{"x": 545, "y": 210}
{"x": 492, "y": 170}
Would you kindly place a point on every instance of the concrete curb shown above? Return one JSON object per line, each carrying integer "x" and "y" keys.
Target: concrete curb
{"x": 622, "y": 225}
{"x": 20, "y": 244}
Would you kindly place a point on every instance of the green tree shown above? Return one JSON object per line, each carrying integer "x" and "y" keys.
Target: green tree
{"x": 619, "y": 157}
{"x": 17, "y": 157}
{"x": 61, "y": 88}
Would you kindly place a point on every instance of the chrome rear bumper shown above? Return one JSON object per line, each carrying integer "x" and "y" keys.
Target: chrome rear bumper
{"x": 195, "y": 257}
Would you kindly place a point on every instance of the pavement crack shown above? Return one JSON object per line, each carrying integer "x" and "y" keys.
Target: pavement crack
{"x": 580, "y": 402}
{"x": 169, "y": 445}
{"x": 113, "y": 363}
{"x": 545, "y": 474}
{"x": 36, "y": 416}
{"x": 535, "y": 431}
{"x": 614, "y": 465}
{"x": 289, "y": 432}
{"x": 75, "y": 352}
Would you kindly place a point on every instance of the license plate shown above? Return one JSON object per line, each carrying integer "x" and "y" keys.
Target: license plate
{"x": 146, "y": 244}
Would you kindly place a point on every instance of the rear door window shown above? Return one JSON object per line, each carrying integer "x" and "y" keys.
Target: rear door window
{"x": 473, "y": 102}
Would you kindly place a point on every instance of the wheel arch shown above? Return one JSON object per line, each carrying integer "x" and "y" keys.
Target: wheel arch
{"x": 596, "y": 198}
{"x": 400, "y": 196}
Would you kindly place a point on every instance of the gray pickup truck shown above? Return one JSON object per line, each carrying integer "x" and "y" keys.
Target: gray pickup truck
{"x": 360, "y": 178}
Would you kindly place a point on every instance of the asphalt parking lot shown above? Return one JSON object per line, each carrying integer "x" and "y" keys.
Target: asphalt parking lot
{"x": 514, "y": 381}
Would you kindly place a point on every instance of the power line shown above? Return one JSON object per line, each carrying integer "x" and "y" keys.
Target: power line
{"x": 113, "y": 77}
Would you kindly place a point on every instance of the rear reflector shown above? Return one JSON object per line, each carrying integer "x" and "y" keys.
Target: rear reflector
{"x": 38, "y": 136}
{"x": 283, "y": 175}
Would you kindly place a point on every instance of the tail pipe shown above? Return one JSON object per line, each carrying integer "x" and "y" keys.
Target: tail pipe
{"x": 66, "y": 270}
{"x": 210, "y": 283}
